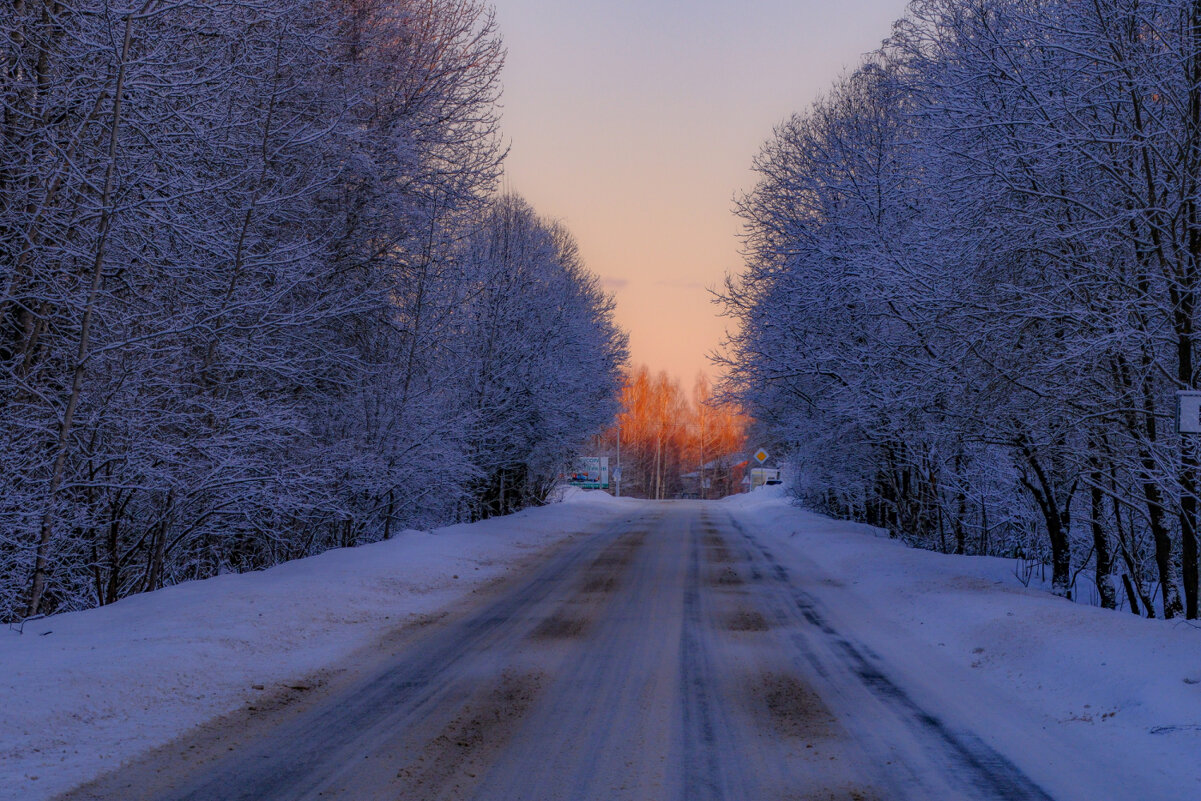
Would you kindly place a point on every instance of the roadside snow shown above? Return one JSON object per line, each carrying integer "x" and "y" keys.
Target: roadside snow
{"x": 1118, "y": 693}
{"x": 1124, "y": 689}
{"x": 81, "y": 692}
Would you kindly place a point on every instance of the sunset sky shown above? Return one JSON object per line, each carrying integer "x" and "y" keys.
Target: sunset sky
{"x": 635, "y": 122}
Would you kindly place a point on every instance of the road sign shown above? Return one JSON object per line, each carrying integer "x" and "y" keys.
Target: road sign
{"x": 762, "y": 456}
{"x": 1188, "y": 412}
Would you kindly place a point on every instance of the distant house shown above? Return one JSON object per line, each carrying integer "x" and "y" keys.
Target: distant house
{"x": 715, "y": 479}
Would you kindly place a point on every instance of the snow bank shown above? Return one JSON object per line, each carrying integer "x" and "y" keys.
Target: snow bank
{"x": 81, "y": 692}
{"x": 1127, "y": 689}
{"x": 766, "y": 495}
{"x": 576, "y": 495}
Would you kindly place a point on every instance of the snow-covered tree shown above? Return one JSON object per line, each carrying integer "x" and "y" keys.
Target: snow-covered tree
{"x": 970, "y": 288}
{"x": 237, "y": 297}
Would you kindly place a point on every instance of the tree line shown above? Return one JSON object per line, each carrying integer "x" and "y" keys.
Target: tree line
{"x": 671, "y": 441}
{"x": 971, "y": 288}
{"x": 259, "y": 294}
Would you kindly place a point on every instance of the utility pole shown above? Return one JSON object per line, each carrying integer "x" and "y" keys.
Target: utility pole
{"x": 617, "y": 478}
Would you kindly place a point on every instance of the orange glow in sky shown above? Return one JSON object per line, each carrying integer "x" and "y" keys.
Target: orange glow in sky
{"x": 636, "y": 123}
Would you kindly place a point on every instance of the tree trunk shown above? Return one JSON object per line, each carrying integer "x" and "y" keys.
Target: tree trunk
{"x": 1057, "y": 518}
{"x": 1130, "y": 595}
{"x": 1184, "y": 314}
{"x": 46, "y": 530}
{"x": 1144, "y": 429}
{"x": 1101, "y": 547}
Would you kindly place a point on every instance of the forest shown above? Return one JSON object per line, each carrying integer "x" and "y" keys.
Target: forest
{"x": 674, "y": 443}
{"x": 260, "y": 294}
{"x": 970, "y": 296}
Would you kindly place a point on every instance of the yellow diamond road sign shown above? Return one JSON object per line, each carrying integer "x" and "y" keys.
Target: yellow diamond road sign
{"x": 761, "y": 456}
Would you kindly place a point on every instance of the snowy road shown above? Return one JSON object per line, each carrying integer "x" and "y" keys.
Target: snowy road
{"x": 671, "y": 656}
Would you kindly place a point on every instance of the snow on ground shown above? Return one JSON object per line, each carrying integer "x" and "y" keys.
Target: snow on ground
{"x": 1126, "y": 690}
{"x": 107, "y": 684}
{"x": 81, "y": 692}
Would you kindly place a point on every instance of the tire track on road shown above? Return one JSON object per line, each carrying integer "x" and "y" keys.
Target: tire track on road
{"x": 987, "y": 773}
{"x": 327, "y": 744}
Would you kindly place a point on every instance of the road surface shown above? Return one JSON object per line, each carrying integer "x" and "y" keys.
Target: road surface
{"x": 670, "y": 656}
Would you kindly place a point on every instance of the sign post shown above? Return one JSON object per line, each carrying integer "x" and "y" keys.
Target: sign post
{"x": 761, "y": 455}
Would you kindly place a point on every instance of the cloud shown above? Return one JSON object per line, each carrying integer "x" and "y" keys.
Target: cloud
{"x": 695, "y": 285}
{"x": 614, "y": 284}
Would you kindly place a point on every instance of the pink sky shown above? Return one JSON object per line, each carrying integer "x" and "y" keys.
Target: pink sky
{"x": 636, "y": 122}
